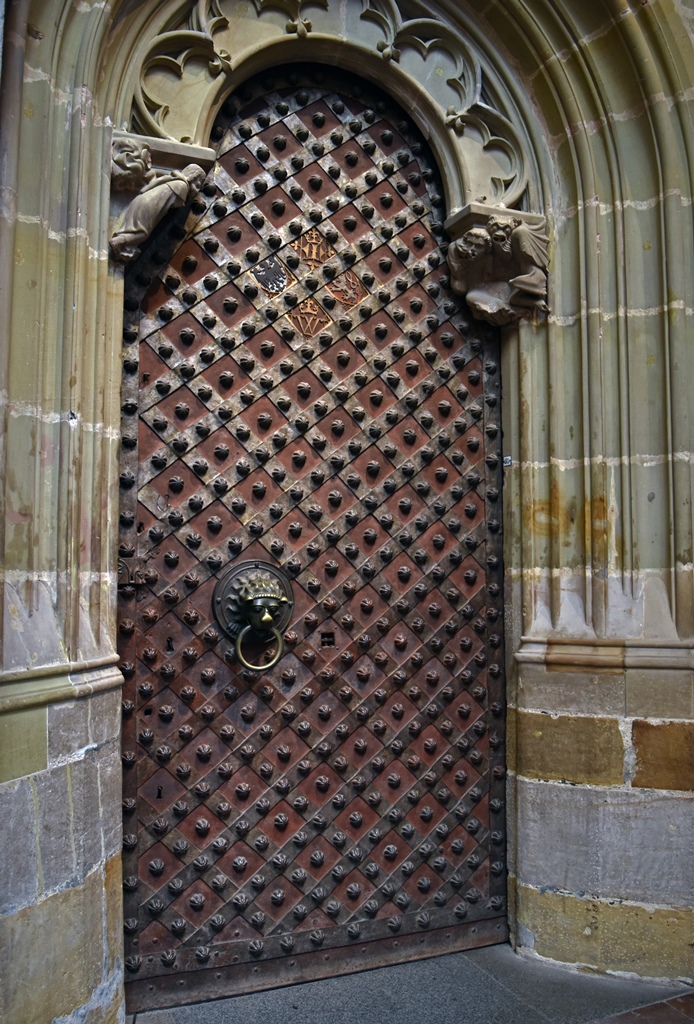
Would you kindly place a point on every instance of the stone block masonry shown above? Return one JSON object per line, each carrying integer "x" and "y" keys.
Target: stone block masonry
{"x": 601, "y": 866}
{"x": 60, "y": 887}
{"x": 664, "y": 753}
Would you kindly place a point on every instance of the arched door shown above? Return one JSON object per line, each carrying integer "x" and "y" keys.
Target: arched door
{"x": 301, "y": 389}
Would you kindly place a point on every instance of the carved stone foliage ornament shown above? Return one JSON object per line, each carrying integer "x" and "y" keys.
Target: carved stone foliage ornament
{"x": 158, "y": 193}
{"x": 500, "y": 267}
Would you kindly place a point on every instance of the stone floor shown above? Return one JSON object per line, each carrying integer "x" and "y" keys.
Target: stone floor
{"x": 676, "y": 1010}
{"x": 483, "y": 986}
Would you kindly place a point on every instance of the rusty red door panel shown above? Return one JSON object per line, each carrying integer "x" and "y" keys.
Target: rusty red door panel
{"x": 302, "y": 388}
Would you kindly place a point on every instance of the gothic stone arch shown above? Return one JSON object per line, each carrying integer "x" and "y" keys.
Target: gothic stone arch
{"x": 598, "y": 520}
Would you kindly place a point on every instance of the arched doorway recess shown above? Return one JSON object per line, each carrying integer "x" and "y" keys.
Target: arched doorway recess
{"x": 597, "y": 525}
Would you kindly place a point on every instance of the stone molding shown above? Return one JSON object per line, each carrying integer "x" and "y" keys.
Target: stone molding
{"x": 52, "y": 684}
{"x": 592, "y": 653}
{"x": 165, "y": 154}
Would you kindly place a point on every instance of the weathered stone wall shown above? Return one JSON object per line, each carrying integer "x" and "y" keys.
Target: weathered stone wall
{"x": 60, "y": 789}
{"x": 60, "y": 902}
{"x": 598, "y": 514}
{"x": 598, "y": 500}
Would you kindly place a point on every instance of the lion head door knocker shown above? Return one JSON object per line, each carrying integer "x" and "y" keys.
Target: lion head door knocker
{"x": 254, "y": 601}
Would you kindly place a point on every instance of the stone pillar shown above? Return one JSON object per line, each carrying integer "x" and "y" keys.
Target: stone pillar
{"x": 598, "y": 521}
{"x": 61, "y": 929}
{"x": 60, "y": 789}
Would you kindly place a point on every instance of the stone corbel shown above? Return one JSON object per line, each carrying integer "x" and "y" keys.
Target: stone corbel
{"x": 165, "y": 155}
{"x": 499, "y": 261}
{"x": 163, "y": 174}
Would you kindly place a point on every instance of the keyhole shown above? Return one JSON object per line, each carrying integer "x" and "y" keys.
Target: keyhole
{"x": 169, "y": 645}
{"x": 160, "y": 791}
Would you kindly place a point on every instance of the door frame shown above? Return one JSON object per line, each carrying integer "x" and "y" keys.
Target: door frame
{"x": 147, "y": 993}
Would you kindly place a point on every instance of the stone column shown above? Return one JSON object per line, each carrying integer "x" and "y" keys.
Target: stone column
{"x": 598, "y": 519}
{"x": 60, "y": 789}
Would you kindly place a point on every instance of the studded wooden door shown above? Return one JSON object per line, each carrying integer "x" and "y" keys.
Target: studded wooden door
{"x": 300, "y": 386}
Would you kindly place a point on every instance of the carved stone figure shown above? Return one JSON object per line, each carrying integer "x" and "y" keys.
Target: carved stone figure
{"x": 501, "y": 269}
{"x": 470, "y": 260}
{"x": 131, "y": 164}
{"x": 159, "y": 194}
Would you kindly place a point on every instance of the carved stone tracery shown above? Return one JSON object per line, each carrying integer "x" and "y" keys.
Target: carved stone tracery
{"x": 292, "y": 8}
{"x": 189, "y": 69}
{"x": 191, "y": 66}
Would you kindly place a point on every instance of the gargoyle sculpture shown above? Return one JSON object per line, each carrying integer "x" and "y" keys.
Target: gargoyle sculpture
{"x": 159, "y": 193}
{"x": 501, "y": 269}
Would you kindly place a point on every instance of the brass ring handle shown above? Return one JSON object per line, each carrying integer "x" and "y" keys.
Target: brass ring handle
{"x": 268, "y": 664}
